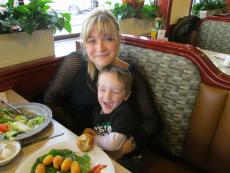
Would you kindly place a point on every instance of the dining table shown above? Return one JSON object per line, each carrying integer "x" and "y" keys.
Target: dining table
{"x": 218, "y": 60}
{"x": 51, "y": 135}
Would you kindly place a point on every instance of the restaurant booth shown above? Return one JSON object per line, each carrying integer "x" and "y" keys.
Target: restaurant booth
{"x": 190, "y": 92}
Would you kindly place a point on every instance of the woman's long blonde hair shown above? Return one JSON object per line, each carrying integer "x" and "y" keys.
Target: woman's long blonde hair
{"x": 106, "y": 24}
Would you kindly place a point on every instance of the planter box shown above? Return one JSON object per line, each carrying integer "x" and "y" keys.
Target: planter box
{"x": 206, "y": 13}
{"x": 134, "y": 26}
{"x": 21, "y": 47}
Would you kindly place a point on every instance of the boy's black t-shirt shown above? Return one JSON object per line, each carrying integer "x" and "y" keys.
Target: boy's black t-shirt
{"x": 121, "y": 120}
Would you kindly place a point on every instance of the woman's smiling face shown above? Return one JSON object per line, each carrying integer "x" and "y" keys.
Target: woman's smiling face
{"x": 101, "y": 48}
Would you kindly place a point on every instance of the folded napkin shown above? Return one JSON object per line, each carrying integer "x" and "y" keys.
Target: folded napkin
{"x": 3, "y": 96}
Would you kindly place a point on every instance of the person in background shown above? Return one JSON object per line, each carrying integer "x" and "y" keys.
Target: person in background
{"x": 185, "y": 30}
{"x": 109, "y": 119}
{"x": 72, "y": 94}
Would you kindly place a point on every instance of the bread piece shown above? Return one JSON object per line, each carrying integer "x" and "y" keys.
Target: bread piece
{"x": 75, "y": 167}
{"x": 85, "y": 142}
{"x": 40, "y": 168}
{"x": 66, "y": 164}
{"x": 48, "y": 160}
{"x": 57, "y": 162}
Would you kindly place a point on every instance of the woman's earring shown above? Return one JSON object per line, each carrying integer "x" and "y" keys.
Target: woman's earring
{"x": 85, "y": 56}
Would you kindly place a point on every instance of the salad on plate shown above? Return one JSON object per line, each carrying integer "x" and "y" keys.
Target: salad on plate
{"x": 13, "y": 124}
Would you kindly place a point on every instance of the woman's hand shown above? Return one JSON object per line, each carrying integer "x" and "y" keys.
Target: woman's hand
{"x": 126, "y": 148}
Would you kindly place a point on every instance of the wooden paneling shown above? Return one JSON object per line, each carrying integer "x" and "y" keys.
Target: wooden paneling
{"x": 29, "y": 79}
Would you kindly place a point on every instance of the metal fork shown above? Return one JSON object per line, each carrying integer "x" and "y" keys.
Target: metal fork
{"x": 11, "y": 106}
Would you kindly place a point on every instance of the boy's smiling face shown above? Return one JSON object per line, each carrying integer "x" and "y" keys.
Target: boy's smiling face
{"x": 111, "y": 92}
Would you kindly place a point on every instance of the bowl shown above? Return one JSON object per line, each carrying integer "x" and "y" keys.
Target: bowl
{"x": 8, "y": 151}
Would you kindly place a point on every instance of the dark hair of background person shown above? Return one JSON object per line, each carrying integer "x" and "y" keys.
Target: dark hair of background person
{"x": 185, "y": 30}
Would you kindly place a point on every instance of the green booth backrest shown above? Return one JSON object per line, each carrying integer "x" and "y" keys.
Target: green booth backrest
{"x": 214, "y": 35}
{"x": 174, "y": 82}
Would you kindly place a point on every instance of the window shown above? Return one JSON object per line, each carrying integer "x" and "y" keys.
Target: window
{"x": 195, "y": 1}
{"x": 78, "y": 10}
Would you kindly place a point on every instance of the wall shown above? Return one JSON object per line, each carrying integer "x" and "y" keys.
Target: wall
{"x": 179, "y": 9}
{"x": 172, "y": 10}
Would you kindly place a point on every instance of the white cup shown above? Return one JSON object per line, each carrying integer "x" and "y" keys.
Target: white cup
{"x": 161, "y": 34}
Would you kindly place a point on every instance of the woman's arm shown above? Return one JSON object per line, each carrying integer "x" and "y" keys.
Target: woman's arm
{"x": 58, "y": 91}
{"x": 142, "y": 103}
{"x": 61, "y": 83}
{"x": 121, "y": 63}
{"x": 128, "y": 146}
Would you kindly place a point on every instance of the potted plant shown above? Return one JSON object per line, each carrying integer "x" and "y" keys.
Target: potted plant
{"x": 209, "y": 7}
{"x": 134, "y": 17}
{"x": 26, "y": 31}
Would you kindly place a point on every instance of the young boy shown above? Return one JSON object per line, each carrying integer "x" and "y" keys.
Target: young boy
{"x": 113, "y": 120}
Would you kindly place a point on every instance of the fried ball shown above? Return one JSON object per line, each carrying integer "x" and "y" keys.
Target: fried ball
{"x": 85, "y": 142}
{"x": 57, "y": 161}
{"x": 40, "y": 168}
{"x": 48, "y": 160}
{"x": 66, "y": 164}
{"x": 75, "y": 167}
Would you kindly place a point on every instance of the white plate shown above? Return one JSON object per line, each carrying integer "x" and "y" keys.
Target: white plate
{"x": 13, "y": 146}
{"x": 97, "y": 157}
{"x": 38, "y": 109}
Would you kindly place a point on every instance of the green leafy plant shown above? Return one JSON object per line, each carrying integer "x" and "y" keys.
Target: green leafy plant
{"x": 35, "y": 15}
{"x": 219, "y": 5}
{"x": 127, "y": 10}
{"x": 149, "y": 11}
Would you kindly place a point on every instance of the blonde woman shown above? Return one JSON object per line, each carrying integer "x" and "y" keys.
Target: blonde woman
{"x": 73, "y": 92}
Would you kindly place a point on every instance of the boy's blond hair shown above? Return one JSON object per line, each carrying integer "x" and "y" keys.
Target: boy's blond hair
{"x": 122, "y": 74}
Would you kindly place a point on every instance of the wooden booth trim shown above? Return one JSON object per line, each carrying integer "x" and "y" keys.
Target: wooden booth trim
{"x": 216, "y": 18}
